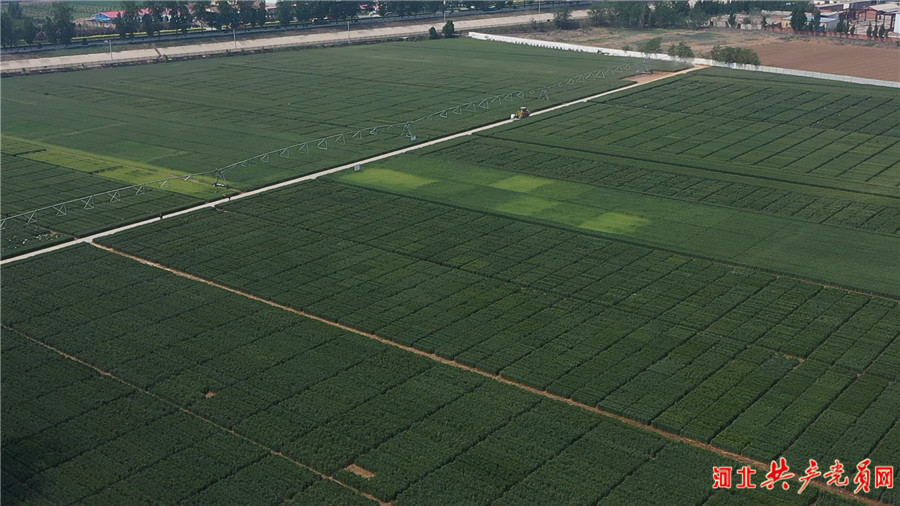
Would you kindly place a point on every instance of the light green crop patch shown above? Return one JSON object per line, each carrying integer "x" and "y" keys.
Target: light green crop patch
{"x": 615, "y": 223}
{"x": 389, "y": 179}
{"x": 521, "y": 183}
{"x": 525, "y": 205}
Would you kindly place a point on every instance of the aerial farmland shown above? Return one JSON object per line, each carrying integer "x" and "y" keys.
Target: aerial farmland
{"x": 344, "y": 275}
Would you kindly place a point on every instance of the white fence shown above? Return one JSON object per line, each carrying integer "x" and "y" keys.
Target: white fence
{"x": 698, "y": 61}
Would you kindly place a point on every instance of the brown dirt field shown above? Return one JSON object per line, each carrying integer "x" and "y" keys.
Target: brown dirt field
{"x": 860, "y": 58}
{"x": 827, "y": 55}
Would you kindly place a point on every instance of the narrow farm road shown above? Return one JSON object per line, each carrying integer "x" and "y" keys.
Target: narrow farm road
{"x": 207, "y": 205}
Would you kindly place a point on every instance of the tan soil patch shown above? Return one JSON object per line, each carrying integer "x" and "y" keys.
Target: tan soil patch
{"x": 359, "y": 471}
{"x": 656, "y": 75}
{"x": 209, "y": 395}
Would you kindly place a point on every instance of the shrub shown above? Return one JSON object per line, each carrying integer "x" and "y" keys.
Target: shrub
{"x": 734, "y": 55}
{"x": 682, "y": 50}
{"x": 653, "y": 45}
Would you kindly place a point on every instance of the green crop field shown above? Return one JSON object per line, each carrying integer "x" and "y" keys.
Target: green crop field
{"x": 144, "y": 123}
{"x": 593, "y": 305}
{"x": 252, "y": 404}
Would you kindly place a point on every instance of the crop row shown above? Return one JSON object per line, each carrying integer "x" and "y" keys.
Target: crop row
{"x": 845, "y": 108}
{"x": 599, "y": 321}
{"x": 318, "y": 395}
{"x": 618, "y": 173}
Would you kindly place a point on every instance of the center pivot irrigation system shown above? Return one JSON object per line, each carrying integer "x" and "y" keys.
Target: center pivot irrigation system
{"x": 88, "y": 202}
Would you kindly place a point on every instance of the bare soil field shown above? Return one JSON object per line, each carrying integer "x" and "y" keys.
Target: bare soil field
{"x": 861, "y": 58}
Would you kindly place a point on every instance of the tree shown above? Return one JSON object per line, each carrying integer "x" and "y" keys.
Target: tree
{"x": 853, "y": 30}
{"x": 180, "y": 17}
{"x": 9, "y": 35}
{"x": 433, "y": 34}
{"x": 285, "y": 11}
{"x": 633, "y": 14}
{"x": 734, "y": 55}
{"x": 731, "y": 20}
{"x": 29, "y": 31}
{"x": 869, "y": 30}
{"x": 562, "y": 18}
{"x": 201, "y": 11}
{"x": 699, "y": 15}
{"x": 448, "y": 30}
{"x": 15, "y": 10}
{"x": 764, "y": 23}
{"x": 670, "y": 14}
{"x": 227, "y": 16}
{"x": 682, "y": 50}
{"x": 882, "y": 32}
{"x": 653, "y": 45}
{"x": 798, "y": 18}
{"x": 598, "y": 13}
{"x": 261, "y": 13}
{"x": 816, "y": 22}
{"x": 60, "y": 28}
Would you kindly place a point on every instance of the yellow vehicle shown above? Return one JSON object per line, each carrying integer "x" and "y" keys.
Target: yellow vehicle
{"x": 523, "y": 112}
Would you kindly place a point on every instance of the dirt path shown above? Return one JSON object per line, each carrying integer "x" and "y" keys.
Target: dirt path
{"x": 761, "y": 466}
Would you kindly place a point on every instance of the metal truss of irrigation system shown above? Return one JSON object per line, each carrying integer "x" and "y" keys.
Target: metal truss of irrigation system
{"x": 322, "y": 143}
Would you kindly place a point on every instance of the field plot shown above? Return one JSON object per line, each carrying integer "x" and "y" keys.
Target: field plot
{"x": 143, "y": 123}
{"x": 30, "y": 184}
{"x": 251, "y": 405}
{"x": 656, "y": 336}
{"x": 629, "y": 167}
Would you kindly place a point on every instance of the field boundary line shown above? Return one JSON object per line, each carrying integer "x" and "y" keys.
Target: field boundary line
{"x": 202, "y": 418}
{"x": 308, "y": 177}
{"x": 496, "y": 377}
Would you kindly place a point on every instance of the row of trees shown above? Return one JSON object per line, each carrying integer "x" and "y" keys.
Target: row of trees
{"x": 719, "y": 53}
{"x": 671, "y": 14}
{"x": 15, "y": 26}
{"x": 447, "y": 31}
{"x": 151, "y": 17}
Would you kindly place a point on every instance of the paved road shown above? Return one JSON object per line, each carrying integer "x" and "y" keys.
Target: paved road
{"x": 211, "y": 204}
{"x": 310, "y": 39}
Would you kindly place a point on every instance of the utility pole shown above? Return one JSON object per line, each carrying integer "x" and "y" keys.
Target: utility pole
{"x": 108, "y": 41}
